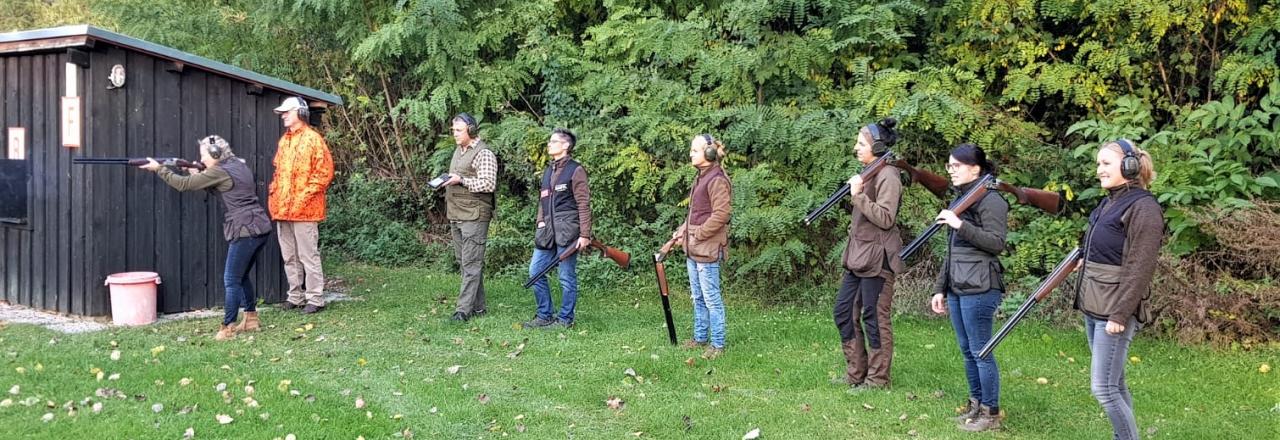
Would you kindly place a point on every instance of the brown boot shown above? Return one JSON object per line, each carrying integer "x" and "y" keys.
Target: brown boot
{"x": 984, "y": 421}
{"x": 249, "y": 323}
{"x": 693, "y": 345}
{"x": 225, "y": 333}
{"x": 966, "y": 412}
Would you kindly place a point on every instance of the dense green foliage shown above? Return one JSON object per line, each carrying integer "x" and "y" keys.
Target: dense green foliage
{"x": 785, "y": 83}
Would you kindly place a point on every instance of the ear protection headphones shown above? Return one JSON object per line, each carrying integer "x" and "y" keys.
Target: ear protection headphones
{"x": 211, "y": 146}
{"x": 304, "y": 109}
{"x": 472, "y": 126}
{"x": 878, "y": 145}
{"x": 710, "y": 152}
{"x": 1130, "y": 166}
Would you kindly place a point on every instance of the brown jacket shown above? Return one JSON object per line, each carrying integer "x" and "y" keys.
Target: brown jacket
{"x": 874, "y": 239}
{"x": 706, "y": 230}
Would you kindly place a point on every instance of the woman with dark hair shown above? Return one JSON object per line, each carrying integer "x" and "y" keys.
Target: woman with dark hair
{"x": 970, "y": 284}
{"x": 1119, "y": 262}
{"x": 864, "y": 302}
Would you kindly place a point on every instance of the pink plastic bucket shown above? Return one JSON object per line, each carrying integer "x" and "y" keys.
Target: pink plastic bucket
{"x": 133, "y": 297}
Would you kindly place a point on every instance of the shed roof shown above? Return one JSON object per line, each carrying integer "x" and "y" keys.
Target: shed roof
{"x": 85, "y": 35}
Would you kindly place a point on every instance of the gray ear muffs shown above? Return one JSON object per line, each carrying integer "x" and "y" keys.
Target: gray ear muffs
{"x": 472, "y": 125}
{"x": 710, "y": 152}
{"x": 878, "y": 146}
{"x": 1130, "y": 166}
{"x": 304, "y": 109}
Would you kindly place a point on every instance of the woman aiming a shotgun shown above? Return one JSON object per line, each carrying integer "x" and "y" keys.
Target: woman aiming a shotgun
{"x": 970, "y": 284}
{"x": 864, "y": 302}
{"x": 1120, "y": 248}
{"x": 245, "y": 224}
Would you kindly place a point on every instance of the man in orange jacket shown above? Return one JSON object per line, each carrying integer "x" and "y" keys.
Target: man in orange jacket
{"x": 304, "y": 169}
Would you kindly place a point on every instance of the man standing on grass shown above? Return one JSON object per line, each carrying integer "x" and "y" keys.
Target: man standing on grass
{"x": 304, "y": 169}
{"x": 469, "y": 204}
{"x": 564, "y": 222}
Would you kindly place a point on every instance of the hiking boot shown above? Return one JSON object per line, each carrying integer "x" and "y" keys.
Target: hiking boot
{"x": 983, "y": 421}
{"x": 459, "y": 317}
{"x": 288, "y": 305}
{"x": 479, "y": 313}
{"x": 312, "y": 308}
{"x": 712, "y": 352}
{"x": 538, "y": 322}
{"x": 561, "y": 325}
{"x": 226, "y": 332}
{"x": 693, "y": 345}
{"x": 968, "y": 411}
{"x": 842, "y": 381}
{"x": 249, "y": 323}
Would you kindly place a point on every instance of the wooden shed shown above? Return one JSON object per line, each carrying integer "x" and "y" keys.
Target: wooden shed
{"x": 80, "y": 91}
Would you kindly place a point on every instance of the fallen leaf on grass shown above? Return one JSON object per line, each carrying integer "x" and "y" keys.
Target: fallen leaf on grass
{"x": 359, "y": 402}
{"x": 483, "y": 398}
{"x": 115, "y": 355}
{"x": 155, "y": 351}
{"x": 284, "y": 385}
{"x": 689, "y": 362}
{"x": 752, "y": 434}
{"x": 184, "y": 381}
{"x": 189, "y": 434}
{"x": 453, "y": 370}
{"x": 868, "y": 407}
{"x": 1264, "y": 369}
{"x": 157, "y": 407}
{"x": 223, "y": 419}
{"x": 614, "y": 403}
{"x": 48, "y": 417}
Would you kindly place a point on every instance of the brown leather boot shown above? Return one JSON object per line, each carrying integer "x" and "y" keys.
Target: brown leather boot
{"x": 984, "y": 421}
{"x": 966, "y": 412}
{"x": 225, "y": 333}
{"x": 249, "y": 323}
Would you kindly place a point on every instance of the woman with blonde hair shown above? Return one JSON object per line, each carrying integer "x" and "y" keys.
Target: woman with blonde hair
{"x": 1120, "y": 249}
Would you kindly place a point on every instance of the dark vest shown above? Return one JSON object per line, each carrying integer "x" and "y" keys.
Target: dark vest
{"x": 559, "y": 208}
{"x": 970, "y": 269}
{"x": 244, "y": 216}
{"x": 460, "y": 203}
{"x": 1106, "y": 236}
{"x": 700, "y": 199}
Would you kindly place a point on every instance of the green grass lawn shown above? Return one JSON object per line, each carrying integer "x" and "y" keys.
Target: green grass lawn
{"x": 393, "y": 347}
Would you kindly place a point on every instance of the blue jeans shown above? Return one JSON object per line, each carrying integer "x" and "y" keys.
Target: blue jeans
{"x": 708, "y": 306}
{"x": 241, "y": 253}
{"x": 972, "y": 317}
{"x": 1106, "y": 374}
{"x": 568, "y": 282}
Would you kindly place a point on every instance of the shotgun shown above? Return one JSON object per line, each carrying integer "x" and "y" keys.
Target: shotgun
{"x": 622, "y": 259}
{"x": 661, "y": 270}
{"x": 138, "y": 161}
{"x": 1055, "y": 278}
{"x": 1048, "y": 201}
{"x": 867, "y": 173}
{"x": 976, "y": 193}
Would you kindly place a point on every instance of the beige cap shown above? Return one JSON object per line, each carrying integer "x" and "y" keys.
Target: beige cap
{"x": 290, "y": 104}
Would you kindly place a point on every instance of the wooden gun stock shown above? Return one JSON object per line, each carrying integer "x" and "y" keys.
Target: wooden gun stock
{"x": 1050, "y": 202}
{"x": 1055, "y": 278}
{"x": 976, "y": 193}
{"x": 934, "y": 183}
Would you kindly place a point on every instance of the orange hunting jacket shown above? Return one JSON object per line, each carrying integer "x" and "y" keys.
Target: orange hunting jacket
{"x": 304, "y": 169}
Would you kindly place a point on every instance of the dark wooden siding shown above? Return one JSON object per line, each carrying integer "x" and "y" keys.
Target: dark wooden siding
{"x": 87, "y": 222}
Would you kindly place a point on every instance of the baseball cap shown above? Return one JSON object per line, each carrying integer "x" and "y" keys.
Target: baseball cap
{"x": 292, "y": 103}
